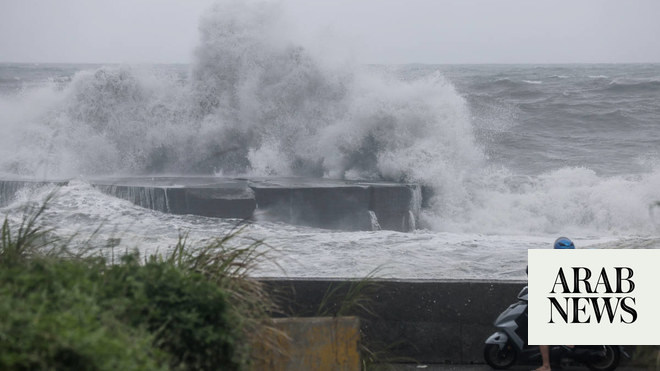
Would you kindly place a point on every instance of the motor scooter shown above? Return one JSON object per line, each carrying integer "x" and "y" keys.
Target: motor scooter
{"x": 509, "y": 344}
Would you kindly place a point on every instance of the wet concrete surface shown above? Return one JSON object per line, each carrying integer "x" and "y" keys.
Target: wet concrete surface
{"x": 315, "y": 202}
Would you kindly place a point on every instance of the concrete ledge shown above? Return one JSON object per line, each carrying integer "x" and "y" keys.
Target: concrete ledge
{"x": 434, "y": 321}
{"x": 312, "y": 344}
{"x": 387, "y": 203}
{"x": 345, "y": 208}
{"x": 322, "y": 203}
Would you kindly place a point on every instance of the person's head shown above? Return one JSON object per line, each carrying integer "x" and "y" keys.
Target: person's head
{"x": 563, "y": 243}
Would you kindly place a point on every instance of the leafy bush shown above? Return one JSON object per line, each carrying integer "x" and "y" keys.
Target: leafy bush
{"x": 195, "y": 309}
{"x": 51, "y": 319}
{"x": 188, "y": 315}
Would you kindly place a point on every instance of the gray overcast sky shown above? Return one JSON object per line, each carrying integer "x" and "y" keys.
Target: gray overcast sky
{"x": 376, "y": 31}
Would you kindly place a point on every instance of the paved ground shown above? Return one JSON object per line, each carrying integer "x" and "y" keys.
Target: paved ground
{"x": 443, "y": 367}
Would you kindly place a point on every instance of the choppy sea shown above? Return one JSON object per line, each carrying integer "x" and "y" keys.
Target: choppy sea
{"x": 516, "y": 155}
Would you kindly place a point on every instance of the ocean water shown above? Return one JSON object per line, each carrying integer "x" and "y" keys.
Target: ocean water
{"x": 516, "y": 155}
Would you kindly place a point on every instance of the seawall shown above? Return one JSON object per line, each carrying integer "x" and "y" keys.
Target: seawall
{"x": 322, "y": 203}
{"x": 429, "y": 321}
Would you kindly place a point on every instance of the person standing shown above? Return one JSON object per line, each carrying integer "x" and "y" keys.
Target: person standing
{"x": 561, "y": 243}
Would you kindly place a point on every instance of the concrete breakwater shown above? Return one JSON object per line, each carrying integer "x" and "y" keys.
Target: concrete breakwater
{"x": 323, "y": 203}
{"x": 428, "y": 321}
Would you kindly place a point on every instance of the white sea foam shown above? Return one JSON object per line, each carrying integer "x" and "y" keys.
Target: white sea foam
{"x": 79, "y": 209}
{"x": 573, "y": 201}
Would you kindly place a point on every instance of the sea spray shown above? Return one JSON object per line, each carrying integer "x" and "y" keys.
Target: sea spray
{"x": 256, "y": 103}
{"x": 109, "y": 120}
{"x": 567, "y": 201}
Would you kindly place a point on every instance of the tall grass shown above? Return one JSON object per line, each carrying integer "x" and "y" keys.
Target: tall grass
{"x": 30, "y": 239}
{"x": 349, "y": 297}
{"x": 229, "y": 268}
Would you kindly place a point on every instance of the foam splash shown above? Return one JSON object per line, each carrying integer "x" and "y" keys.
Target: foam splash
{"x": 567, "y": 201}
{"x": 255, "y": 103}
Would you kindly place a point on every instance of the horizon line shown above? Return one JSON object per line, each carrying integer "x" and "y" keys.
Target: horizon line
{"x": 367, "y": 63}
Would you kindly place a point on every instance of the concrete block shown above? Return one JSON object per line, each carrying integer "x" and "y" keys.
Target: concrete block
{"x": 233, "y": 202}
{"x": 322, "y": 203}
{"x": 205, "y": 196}
{"x": 148, "y": 197}
{"x": 340, "y": 207}
{"x": 397, "y": 207}
{"x": 321, "y": 343}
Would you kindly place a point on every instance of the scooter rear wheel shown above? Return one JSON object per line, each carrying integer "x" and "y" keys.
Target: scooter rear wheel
{"x": 608, "y": 362}
{"x": 500, "y": 358}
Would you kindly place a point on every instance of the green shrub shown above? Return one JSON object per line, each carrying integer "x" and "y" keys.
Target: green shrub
{"x": 82, "y": 314}
{"x": 188, "y": 315}
{"x": 195, "y": 309}
{"x": 50, "y": 319}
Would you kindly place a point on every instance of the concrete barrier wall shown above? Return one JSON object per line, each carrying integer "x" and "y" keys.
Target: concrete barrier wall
{"x": 323, "y": 203}
{"x": 425, "y": 321}
{"x": 343, "y": 207}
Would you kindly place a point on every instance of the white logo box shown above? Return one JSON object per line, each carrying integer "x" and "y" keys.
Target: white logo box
{"x": 634, "y": 318}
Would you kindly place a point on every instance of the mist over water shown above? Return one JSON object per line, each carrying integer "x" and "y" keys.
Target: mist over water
{"x": 515, "y": 150}
{"x": 254, "y": 104}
